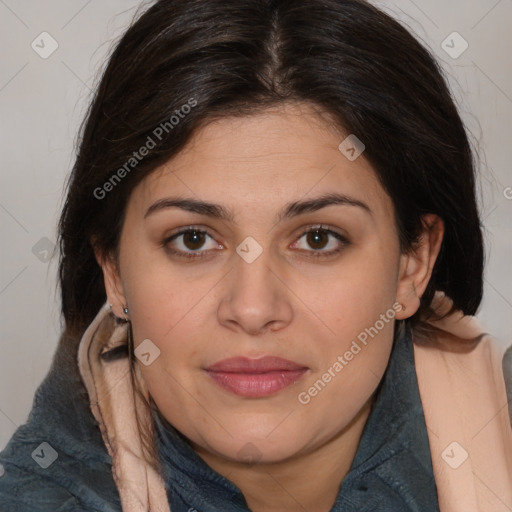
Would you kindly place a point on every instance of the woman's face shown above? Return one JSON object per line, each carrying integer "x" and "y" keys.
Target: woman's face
{"x": 252, "y": 284}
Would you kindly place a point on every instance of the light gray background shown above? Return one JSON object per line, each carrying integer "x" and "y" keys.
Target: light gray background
{"x": 42, "y": 102}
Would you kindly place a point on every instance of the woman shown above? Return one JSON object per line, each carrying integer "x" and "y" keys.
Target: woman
{"x": 270, "y": 255}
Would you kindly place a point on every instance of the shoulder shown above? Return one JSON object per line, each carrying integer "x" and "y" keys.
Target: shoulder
{"x": 57, "y": 460}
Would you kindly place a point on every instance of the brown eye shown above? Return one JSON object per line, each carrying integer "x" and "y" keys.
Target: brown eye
{"x": 317, "y": 239}
{"x": 191, "y": 244}
{"x": 193, "y": 240}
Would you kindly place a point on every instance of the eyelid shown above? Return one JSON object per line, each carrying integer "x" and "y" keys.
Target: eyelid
{"x": 320, "y": 227}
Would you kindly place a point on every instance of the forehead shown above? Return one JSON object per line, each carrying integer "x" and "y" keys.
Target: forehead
{"x": 263, "y": 161}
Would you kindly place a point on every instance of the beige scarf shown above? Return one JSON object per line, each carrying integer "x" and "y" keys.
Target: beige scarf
{"x": 462, "y": 391}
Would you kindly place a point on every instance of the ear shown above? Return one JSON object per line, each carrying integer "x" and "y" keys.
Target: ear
{"x": 416, "y": 266}
{"x": 112, "y": 280}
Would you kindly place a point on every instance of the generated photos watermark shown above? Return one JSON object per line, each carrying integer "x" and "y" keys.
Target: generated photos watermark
{"x": 305, "y": 397}
{"x": 151, "y": 142}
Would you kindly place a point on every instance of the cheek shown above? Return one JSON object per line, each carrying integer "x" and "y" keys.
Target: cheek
{"x": 353, "y": 364}
{"x": 352, "y": 295}
{"x": 162, "y": 298}
{"x": 336, "y": 396}
{"x": 356, "y": 309}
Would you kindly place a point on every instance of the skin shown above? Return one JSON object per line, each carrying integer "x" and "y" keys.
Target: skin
{"x": 285, "y": 303}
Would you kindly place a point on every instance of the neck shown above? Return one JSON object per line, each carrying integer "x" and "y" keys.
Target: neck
{"x": 309, "y": 481}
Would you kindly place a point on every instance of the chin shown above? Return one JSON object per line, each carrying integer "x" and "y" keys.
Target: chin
{"x": 256, "y": 448}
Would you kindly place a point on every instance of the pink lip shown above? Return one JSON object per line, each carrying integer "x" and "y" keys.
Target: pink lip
{"x": 255, "y": 377}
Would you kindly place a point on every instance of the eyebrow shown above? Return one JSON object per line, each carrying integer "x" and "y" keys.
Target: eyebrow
{"x": 290, "y": 210}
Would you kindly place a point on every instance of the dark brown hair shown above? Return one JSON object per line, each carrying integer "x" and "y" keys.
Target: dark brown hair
{"x": 235, "y": 58}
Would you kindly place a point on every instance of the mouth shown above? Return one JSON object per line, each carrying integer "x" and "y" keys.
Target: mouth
{"x": 255, "y": 378}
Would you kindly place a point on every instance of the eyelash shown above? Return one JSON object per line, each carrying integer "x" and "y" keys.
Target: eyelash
{"x": 202, "y": 254}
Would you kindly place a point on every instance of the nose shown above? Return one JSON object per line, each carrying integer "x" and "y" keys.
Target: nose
{"x": 255, "y": 296}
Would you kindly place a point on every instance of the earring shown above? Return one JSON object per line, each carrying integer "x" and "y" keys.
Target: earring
{"x": 125, "y": 311}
